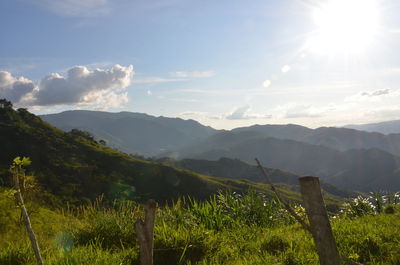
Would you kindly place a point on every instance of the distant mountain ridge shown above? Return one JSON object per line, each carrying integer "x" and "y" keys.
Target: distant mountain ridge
{"x": 339, "y": 155}
{"x": 237, "y": 169}
{"x": 134, "y": 133}
{"x": 355, "y": 169}
{"x": 341, "y": 139}
{"x": 139, "y": 133}
{"x": 386, "y": 127}
{"x": 78, "y": 169}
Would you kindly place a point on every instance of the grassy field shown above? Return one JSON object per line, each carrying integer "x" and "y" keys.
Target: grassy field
{"x": 227, "y": 229}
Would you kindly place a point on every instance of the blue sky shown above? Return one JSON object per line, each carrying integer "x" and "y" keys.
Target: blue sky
{"x": 223, "y": 63}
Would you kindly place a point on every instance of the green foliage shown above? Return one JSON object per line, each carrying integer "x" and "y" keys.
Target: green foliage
{"x": 84, "y": 134}
{"x": 191, "y": 232}
{"x": 16, "y": 255}
{"x": 4, "y": 103}
{"x": 373, "y": 204}
{"x": 110, "y": 228}
{"x": 76, "y": 169}
{"x": 275, "y": 245}
{"x": 19, "y": 162}
{"x": 229, "y": 228}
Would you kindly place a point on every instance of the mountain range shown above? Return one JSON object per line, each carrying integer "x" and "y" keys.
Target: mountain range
{"x": 348, "y": 158}
{"x": 237, "y": 169}
{"x": 386, "y": 127}
{"x": 132, "y": 133}
{"x": 74, "y": 167}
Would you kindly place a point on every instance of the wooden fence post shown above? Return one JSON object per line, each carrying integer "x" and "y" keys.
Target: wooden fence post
{"x": 319, "y": 221}
{"x": 144, "y": 231}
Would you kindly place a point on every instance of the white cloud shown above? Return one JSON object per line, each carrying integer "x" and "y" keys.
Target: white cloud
{"x": 373, "y": 96}
{"x": 294, "y": 110}
{"x": 195, "y": 74}
{"x": 81, "y": 86}
{"x": 76, "y": 8}
{"x": 14, "y": 88}
{"x": 376, "y": 93}
{"x": 216, "y": 117}
{"x": 384, "y": 113}
{"x": 242, "y": 113}
{"x": 149, "y": 92}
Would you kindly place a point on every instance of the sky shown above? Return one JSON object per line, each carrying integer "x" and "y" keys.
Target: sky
{"x": 223, "y": 63}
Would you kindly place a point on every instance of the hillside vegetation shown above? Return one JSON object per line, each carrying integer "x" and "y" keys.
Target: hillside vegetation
{"x": 229, "y": 228}
{"x": 207, "y": 220}
{"x": 347, "y": 158}
{"x": 133, "y": 133}
{"x": 74, "y": 167}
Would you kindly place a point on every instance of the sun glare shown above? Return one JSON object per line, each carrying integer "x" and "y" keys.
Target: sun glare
{"x": 344, "y": 26}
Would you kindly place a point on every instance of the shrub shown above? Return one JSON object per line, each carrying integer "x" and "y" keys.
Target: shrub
{"x": 358, "y": 207}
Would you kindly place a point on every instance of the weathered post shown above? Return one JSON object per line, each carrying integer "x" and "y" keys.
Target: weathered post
{"x": 144, "y": 231}
{"x": 319, "y": 222}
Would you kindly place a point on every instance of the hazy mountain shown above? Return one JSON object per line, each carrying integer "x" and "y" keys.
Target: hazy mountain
{"x": 237, "y": 169}
{"x": 299, "y": 157}
{"x": 367, "y": 170}
{"x": 325, "y": 152}
{"x": 352, "y": 169}
{"x": 134, "y": 133}
{"x": 337, "y": 138}
{"x": 147, "y": 135}
{"x": 74, "y": 167}
{"x": 386, "y": 127}
{"x": 288, "y": 131}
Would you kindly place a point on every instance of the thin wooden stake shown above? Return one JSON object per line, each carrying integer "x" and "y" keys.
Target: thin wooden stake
{"x": 279, "y": 198}
{"x": 144, "y": 231}
{"x": 319, "y": 221}
{"x": 25, "y": 215}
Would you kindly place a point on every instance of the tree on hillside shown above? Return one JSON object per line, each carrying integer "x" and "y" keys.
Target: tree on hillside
{"x": 84, "y": 134}
{"x": 5, "y": 104}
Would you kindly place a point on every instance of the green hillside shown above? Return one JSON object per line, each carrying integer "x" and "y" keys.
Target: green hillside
{"x": 133, "y": 133}
{"x": 74, "y": 167}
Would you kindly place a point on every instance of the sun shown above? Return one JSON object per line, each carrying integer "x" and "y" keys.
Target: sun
{"x": 344, "y": 26}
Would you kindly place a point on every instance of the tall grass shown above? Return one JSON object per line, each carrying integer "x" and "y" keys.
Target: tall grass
{"x": 230, "y": 228}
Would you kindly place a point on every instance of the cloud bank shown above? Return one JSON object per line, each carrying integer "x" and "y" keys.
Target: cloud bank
{"x": 80, "y": 86}
{"x": 14, "y": 88}
{"x": 373, "y": 96}
{"x": 294, "y": 110}
{"x": 242, "y": 113}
